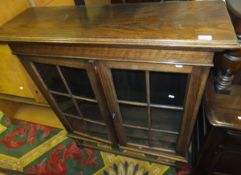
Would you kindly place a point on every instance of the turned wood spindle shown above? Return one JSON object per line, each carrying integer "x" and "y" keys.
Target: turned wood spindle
{"x": 230, "y": 62}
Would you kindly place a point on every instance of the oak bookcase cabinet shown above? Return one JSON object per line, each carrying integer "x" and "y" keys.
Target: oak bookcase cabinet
{"x": 124, "y": 78}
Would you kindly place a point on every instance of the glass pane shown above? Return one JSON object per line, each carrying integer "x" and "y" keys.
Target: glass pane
{"x": 51, "y": 77}
{"x": 89, "y": 110}
{"x": 166, "y": 119}
{"x": 163, "y": 140}
{"x": 78, "y": 82}
{"x": 130, "y": 85}
{"x": 134, "y": 115}
{"x": 65, "y": 104}
{"x": 88, "y": 128}
{"x": 168, "y": 88}
{"x": 137, "y": 136}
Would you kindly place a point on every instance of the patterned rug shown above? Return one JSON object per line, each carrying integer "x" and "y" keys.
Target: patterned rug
{"x": 42, "y": 150}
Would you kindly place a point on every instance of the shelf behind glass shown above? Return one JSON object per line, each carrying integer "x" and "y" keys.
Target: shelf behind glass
{"x": 51, "y": 77}
{"x": 78, "y": 82}
{"x": 89, "y": 128}
{"x": 134, "y": 115}
{"x": 168, "y": 88}
{"x": 166, "y": 119}
{"x": 129, "y": 85}
{"x": 65, "y": 104}
{"x": 152, "y": 139}
{"x": 163, "y": 140}
{"x": 90, "y": 110}
{"x": 137, "y": 136}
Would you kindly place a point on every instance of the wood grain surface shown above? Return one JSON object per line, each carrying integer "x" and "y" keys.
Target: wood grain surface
{"x": 223, "y": 110}
{"x": 171, "y": 24}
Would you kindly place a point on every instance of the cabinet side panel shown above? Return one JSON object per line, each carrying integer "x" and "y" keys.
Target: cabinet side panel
{"x": 197, "y": 82}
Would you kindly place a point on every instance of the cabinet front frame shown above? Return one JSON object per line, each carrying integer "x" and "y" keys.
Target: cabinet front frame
{"x": 28, "y": 62}
{"x": 198, "y": 74}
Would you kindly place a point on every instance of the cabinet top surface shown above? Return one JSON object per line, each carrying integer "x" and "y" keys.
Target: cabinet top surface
{"x": 173, "y": 24}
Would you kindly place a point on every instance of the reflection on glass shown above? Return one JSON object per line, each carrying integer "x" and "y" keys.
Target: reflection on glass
{"x": 163, "y": 140}
{"x": 88, "y": 128}
{"x": 166, "y": 119}
{"x": 65, "y": 104}
{"x": 136, "y": 136}
{"x": 51, "y": 77}
{"x": 78, "y": 82}
{"x": 129, "y": 85}
{"x": 90, "y": 110}
{"x": 167, "y": 88}
{"x": 134, "y": 115}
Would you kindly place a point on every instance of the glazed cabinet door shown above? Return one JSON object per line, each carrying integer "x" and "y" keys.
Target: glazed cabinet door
{"x": 147, "y": 102}
{"x": 73, "y": 89}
